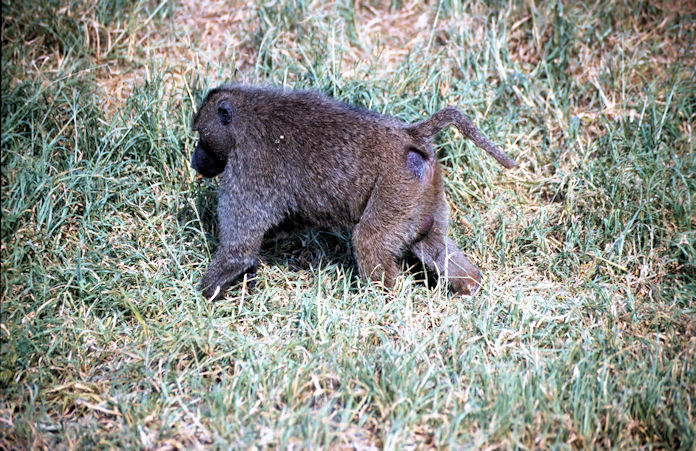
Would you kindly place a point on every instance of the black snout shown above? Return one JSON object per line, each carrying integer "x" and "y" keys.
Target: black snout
{"x": 207, "y": 164}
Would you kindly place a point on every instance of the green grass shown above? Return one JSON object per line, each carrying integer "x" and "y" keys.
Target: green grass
{"x": 584, "y": 332}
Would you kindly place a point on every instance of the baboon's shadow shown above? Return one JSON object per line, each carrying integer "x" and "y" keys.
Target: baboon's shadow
{"x": 303, "y": 250}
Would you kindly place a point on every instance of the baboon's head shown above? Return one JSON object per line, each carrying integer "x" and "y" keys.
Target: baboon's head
{"x": 214, "y": 123}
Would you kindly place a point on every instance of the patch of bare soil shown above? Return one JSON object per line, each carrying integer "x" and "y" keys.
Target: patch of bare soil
{"x": 210, "y": 33}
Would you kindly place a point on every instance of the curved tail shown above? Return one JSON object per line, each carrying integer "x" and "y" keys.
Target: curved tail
{"x": 428, "y": 128}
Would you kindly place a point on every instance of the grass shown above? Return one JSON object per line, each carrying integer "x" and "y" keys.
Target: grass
{"x": 583, "y": 335}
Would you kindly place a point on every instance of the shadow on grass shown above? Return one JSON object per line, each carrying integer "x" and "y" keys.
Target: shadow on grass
{"x": 304, "y": 249}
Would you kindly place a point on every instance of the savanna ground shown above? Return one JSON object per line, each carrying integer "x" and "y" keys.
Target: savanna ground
{"x": 584, "y": 332}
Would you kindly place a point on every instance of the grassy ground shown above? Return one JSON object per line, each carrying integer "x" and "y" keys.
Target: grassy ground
{"x": 584, "y": 334}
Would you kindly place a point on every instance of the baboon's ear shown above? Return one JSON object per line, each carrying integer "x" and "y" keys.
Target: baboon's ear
{"x": 224, "y": 112}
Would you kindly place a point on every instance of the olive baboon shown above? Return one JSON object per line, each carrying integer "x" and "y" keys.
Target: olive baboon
{"x": 302, "y": 155}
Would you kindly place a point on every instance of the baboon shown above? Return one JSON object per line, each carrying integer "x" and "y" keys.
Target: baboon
{"x": 302, "y": 156}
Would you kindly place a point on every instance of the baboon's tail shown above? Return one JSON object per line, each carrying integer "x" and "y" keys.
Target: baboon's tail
{"x": 428, "y": 128}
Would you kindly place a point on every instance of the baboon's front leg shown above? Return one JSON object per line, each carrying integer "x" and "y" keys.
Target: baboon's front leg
{"x": 228, "y": 264}
{"x": 241, "y": 235}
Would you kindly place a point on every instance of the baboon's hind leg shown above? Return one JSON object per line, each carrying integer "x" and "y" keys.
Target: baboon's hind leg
{"x": 441, "y": 254}
{"x": 374, "y": 251}
{"x": 380, "y": 235}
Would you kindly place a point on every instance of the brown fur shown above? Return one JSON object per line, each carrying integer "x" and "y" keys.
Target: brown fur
{"x": 287, "y": 155}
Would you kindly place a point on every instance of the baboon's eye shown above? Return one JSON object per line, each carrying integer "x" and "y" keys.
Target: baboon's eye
{"x": 224, "y": 112}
